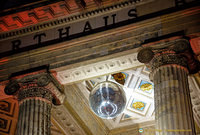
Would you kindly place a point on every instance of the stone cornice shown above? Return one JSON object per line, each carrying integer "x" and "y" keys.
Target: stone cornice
{"x": 67, "y": 18}
{"x": 79, "y": 72}
{"x": 53, "y": 20}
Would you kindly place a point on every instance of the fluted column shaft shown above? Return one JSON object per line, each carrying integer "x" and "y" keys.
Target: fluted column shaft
{"x": 173, "y": 110}
{"x": 170, "y": 67}
{"x": 34, "y": 112}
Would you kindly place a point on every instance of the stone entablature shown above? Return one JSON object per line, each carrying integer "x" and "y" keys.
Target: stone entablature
{"x": 57, "y": 14}
{"x": 63, "y": 29}
{"x": 101, "y": 44}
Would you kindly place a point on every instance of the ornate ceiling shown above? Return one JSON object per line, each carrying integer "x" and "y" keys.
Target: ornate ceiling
{"x": 132, "y": 118}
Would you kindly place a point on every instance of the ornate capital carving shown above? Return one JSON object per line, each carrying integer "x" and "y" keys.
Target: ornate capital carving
{"x": 180, "y": 46}
{"x": 35, "y": 86}
{"x": 145, "y": 55}
{"x": 43, "y": 81}
{"x": 174, "y": 52}
{"x": 12, "y": 87}
{"x": 167, "y": 58}
{"x": 35, "y": 92}
{"x": 36, "y": 80}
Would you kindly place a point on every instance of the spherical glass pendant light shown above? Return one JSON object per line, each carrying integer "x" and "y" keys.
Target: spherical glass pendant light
{"x": 107, "y": 100}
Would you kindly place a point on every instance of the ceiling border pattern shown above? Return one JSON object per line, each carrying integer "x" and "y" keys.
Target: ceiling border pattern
{"x": 77, "y": 105}
{"x": 66, "y": 121}
{"x": 98, "y": 69}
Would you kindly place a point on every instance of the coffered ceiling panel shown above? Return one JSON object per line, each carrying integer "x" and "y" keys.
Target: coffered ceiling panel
{"x": 139, "y": 93}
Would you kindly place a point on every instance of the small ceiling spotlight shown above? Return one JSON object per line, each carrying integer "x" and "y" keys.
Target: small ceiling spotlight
{"x": 107, "y": 100}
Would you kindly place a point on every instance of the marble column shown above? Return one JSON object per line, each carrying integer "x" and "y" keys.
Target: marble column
{"x": 169, "y": 72}
{"x": 36, "y": 95}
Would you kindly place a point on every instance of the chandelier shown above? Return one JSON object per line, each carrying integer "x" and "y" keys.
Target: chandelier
{"x": 107, "y": 100}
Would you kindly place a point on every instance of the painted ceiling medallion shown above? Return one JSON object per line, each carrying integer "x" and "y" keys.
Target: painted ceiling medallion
{"x": 119, "y": 77}
{"x": 107, "y": 100}
{"x": 146, "y": 87}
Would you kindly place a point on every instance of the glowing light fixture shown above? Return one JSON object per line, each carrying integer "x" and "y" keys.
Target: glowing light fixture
{"x": 107, "y": 100}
